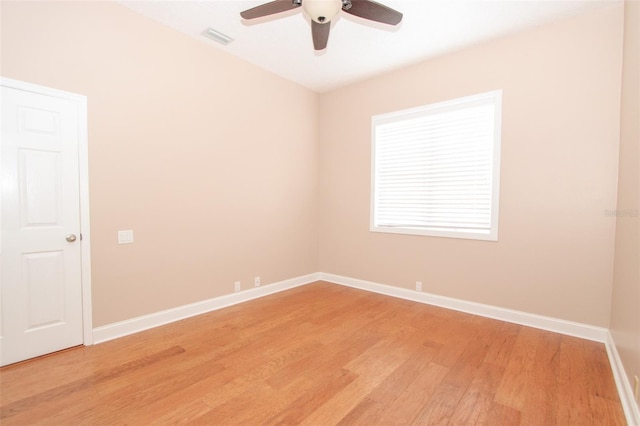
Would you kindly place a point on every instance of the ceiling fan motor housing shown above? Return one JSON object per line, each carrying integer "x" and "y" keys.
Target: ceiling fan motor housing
{"x": 322, "y": 11}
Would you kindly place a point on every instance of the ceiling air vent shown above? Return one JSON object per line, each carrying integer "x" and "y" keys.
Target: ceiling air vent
{"x": 217, "y": 36}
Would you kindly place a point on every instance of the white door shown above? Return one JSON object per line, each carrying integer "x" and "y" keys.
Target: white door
{"x": 41, "y": 287}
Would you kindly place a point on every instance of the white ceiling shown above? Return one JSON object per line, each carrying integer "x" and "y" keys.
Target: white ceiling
{"x": 357, "y": 48}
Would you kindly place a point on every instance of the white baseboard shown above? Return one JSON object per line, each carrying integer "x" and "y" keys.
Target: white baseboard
{"x": 145, "y": 322}
{"x": 584, "y": 331}
{"x": 625, "y": 392}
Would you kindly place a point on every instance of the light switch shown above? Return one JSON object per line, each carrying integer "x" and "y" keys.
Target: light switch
{"x": 125, "y": 237}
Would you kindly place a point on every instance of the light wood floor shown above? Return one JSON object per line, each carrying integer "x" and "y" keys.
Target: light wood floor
{"x": 321, "y": 354}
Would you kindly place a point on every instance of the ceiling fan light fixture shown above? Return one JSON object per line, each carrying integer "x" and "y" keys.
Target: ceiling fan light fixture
{"x": 322, "y": 11}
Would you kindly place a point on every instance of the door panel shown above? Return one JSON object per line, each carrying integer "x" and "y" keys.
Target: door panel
{"x": 41, "y": 287}
{"x": 43, "y": 275}
{"x": 39, "y": 188}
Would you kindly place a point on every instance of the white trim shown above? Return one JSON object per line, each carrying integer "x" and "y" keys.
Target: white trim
{"x": 41, "y": 90}
{"x": 630, "y": 407}
{"x": 584, "y": 331}
{"x": 83, "y": 166}
{"x": 145, "y": 322}
{"x": 85, "y": 224}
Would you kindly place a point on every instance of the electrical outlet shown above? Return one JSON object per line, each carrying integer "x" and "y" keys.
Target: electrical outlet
{"x": 236, "y": 286}
{"x": 635, "y": 388}
{"x": 418, "y": 285}
{"x": 257, "y": 282}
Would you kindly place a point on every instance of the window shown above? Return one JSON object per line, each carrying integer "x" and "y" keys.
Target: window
{"x": 436, "y": 169}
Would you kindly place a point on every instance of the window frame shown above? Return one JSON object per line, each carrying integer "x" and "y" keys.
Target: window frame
{"x": 494, "y": 97}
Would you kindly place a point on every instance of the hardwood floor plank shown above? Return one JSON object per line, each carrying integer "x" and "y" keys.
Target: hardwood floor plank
{"x": 61, "y": 410}
{"x": 317, "y": 365}
{"x": 389, "y": 391}
{"x": 183, "y": 414}
{"x": 276, "y": 401}
{"x": 574, "y": 402}
{"x": 259, "y": 374}
{"x": 501, "y": 348}
{"x": 441, "y": 406}
{"x": 448, "y": 402}
{"x": 605, "y": 411}
{"x": 519, "y": 372}
{"x": 477, "y": 402}
{"x": 599, "y": 375}
{"x": 320, "y": 354}
{"x": 541, "y": 406}
{"x": 300, "y": 408}
{"x": 372, "y": 367}
{"x": 502, "y": 415}
{"x": 81, "y": 384}
{"x": 365, "y": 413}
{"x": 413, "y": 398}
{"x": 229, "y": 372}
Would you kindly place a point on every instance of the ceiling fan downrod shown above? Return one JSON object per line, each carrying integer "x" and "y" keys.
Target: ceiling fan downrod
{"x": 346, "y": 4}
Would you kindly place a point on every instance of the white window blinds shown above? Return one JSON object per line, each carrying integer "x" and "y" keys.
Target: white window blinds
{"x": 436, "y": 169}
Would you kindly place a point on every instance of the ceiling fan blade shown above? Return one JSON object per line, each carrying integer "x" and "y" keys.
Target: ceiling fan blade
{"x": 373, "y": 11}
{"x": 269, "y": 9}
{"x": 320, "y": 34}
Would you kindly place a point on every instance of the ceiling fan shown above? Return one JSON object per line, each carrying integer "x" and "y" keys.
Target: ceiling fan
{"x": 322, "y": 12}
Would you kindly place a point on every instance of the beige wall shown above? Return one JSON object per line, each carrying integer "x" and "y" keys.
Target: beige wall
{"x": 190, "y": 148}
{"x": 211, "y": 161}
{"x": 625, "y": 307}
{"x": 561, "y": 103}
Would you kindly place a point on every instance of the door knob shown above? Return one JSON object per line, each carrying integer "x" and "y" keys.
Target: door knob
{"x": 71, "y": 238}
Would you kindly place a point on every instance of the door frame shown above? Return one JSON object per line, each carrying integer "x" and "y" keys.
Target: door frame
{"x": 83, "y": 170}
